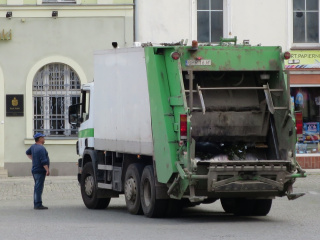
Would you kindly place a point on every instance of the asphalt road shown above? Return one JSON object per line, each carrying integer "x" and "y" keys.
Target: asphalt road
{"x": 68, "y": 219}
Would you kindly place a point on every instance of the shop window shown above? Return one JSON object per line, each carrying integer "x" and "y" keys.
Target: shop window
{"x": 306, "y": 21}
{"x": 306, "y": 101}
{"x": 55, "y": 87}
{"x": 210, "y": 20}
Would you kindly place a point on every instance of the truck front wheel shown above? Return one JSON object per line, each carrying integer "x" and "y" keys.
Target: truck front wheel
{"x": 151, "y": 206}
{"x": 132, "y": 188}
{"x": 89, "y": 191}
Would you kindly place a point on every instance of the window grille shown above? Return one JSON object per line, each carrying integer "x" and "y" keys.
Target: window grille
{"x": 55, "y": 87}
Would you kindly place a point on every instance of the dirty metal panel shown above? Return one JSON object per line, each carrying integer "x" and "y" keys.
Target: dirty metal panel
{"x": 231, "y": 58}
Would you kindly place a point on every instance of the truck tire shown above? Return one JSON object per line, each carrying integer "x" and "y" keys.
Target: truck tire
{"x": 262, "y": 207}
{"x": 228, "y": 204}
{"x": 89, "y": 191}
{"x": 132, "y": 188}
{"x": 151, "y": 206}
{"x": 244, "y": 207}
{"x": 174, "y": 208}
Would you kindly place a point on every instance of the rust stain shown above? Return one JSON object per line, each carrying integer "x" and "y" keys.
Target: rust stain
{"x": 274, "y": 64}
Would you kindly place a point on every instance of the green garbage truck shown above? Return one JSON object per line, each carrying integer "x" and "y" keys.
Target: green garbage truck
{"x": 173, "y": 126}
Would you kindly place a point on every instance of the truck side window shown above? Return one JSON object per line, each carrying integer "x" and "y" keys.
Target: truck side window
{"x": 86, "y": 105}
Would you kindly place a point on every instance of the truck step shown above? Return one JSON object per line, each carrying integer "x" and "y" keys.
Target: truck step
{"x": 105, "y": 185}
{"x": 105, "y": 167}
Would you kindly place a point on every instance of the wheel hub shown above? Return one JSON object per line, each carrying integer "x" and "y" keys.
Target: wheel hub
{"x": 88, "y": 185}
{"x": 130, "y": 189}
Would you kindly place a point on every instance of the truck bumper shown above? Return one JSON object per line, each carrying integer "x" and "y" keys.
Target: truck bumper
{"x": 265, "y": 177}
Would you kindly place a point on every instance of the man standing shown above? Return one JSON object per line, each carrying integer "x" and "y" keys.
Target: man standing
{"x": 40, "y": 168}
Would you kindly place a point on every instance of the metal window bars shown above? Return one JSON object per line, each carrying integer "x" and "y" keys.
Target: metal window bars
{"x": 55, "y": 87}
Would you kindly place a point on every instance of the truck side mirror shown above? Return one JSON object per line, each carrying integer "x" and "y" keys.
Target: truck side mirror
{"x": 74, "y": 114}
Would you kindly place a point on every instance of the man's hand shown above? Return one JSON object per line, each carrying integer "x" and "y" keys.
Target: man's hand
{"x": 30, "y": 156}
{"x": 46, "y": 167}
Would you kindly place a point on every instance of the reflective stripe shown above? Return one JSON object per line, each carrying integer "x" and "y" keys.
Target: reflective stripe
{"x": 86, "y": 133}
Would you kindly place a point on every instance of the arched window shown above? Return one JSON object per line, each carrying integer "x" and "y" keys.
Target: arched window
{"x": 56, "y": 86}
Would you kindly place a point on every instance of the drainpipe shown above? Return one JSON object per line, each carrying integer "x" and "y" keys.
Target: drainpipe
{"x": 135, "y": 21}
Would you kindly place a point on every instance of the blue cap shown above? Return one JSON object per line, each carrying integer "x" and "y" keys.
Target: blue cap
{"x": 37, "y": 135}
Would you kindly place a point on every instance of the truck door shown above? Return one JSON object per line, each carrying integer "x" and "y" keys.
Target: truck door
{"x": 86, "y": 130}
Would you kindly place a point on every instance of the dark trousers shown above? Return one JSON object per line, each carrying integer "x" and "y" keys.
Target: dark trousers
{"x": 38, "y": 188}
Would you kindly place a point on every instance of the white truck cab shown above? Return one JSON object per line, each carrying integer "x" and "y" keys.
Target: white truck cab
{"x": 85, "y": 123}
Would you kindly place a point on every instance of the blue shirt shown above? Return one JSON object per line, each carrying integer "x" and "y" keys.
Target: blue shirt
{"x": 40, "y": 158}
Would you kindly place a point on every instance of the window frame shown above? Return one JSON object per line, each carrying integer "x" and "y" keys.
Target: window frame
{"x": 303, "y": 45}
{"x": 59, "y": 1}
{"x": 52, "y": 88}
{"x": 226, "y": 16}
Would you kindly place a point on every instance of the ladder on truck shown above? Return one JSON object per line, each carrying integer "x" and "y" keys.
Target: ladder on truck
{"x": 111, "y": 172}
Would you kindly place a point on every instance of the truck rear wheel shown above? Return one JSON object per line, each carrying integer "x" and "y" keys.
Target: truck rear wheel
{"x": 132, "y": 188}
{"x": 151, "y": 206}
{"x": 89, "y": 191}
{"x": 228, "y": 204}
{"x": 174, "y": 208}
{"x": 244, "y": 207}
{"x": 262, "y": 207}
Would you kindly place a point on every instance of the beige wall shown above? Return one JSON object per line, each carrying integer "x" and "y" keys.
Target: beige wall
{"x": 39, "y": 39}
{"x": 262, "y": 22}
{"x": 164, "y": 21}
{"x": 1, "y": 118}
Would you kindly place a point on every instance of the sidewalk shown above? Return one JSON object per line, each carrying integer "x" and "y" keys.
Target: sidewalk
{"x": 312, "y": 171}
{"x": 13, "y": 188}
{"x": 67, "y": 187}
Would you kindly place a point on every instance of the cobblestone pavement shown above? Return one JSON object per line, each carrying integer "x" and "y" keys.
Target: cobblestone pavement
{"x": 68, "y": 218}
{"x": 20, "y": 188}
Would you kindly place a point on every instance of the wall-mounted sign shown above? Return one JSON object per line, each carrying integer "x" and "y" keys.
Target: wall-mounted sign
{"x": 14, "y": 104}
{"x": 303, "y": 59}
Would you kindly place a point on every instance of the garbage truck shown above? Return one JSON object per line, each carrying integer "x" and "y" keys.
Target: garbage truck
{"x": 172, "y": 126}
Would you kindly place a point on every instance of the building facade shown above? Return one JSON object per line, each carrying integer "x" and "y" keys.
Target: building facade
{"x": 46, "y": 53}
{"x": 291, "y": 24}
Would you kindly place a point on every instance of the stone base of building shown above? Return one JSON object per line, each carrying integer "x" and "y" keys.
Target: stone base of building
{"x": 3, "y": 173}
{"x": 56, "y": 169}
{"x": 309, "y": 162}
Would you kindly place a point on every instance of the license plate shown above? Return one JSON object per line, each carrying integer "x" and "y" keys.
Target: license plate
{"x": 202, "y": 62}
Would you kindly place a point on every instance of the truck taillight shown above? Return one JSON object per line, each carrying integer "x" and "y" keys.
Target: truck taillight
{"x": 175, "y": 55}
{"x": 286, "y": 55}
{"x": 183, "y": 126}
{"x": 299, "y": 122}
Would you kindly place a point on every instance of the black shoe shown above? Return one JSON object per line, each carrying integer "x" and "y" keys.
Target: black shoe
{"x": 41, "y": 208}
